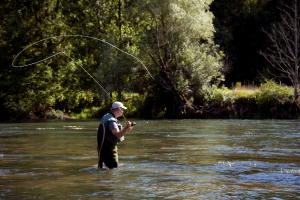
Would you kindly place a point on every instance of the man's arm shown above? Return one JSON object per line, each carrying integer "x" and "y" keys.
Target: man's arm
{"x": 120, "y": 133}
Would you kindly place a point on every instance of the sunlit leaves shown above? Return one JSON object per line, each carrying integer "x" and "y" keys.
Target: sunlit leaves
{"x": 192, "y": 16}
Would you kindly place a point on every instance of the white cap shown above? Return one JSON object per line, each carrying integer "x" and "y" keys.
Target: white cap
{"x": 118, "y": 104}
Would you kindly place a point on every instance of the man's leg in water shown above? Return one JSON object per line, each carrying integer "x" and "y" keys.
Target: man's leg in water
{"x": 109, "y": 154}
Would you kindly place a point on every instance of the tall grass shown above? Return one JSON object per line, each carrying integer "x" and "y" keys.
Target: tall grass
{"x": 245, "y": 91}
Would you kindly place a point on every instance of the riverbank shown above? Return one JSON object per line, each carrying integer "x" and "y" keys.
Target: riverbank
{"x": 241, "y": 108}
{"x": 247, "y": 108}
{"x": 269, "y": 101}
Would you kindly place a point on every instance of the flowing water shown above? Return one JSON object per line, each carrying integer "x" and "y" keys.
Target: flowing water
{"x": 159, "y": 159}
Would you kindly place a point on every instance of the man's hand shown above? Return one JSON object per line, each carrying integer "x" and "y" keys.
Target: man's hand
{"x": 128, "y": 125}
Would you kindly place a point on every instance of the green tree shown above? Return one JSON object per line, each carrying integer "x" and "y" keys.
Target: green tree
{"x": 109, "y": 21}
{"x": 33, "y": 89}
{"x": 178, "y": 41}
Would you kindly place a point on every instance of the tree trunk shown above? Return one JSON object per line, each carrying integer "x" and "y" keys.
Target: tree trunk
{"x": 296, "y": 34}
{"x": 185, "y": 108}
{"x": 120, "y": 21}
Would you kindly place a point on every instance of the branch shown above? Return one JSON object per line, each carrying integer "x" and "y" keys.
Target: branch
{"x": 157, "y": 40}
{"x": 154, "y": 60}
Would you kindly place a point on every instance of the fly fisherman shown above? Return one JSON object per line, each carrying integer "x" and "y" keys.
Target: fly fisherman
{"x": 110, "y": 132}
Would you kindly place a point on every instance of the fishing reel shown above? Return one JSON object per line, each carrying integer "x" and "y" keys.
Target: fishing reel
{"x": 133, "y": 123}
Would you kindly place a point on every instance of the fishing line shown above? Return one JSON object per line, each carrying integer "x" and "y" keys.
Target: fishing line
{"x": 63, "y": 52}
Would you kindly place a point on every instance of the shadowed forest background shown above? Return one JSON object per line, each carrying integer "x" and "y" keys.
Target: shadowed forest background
{"x": 199, "y": 52}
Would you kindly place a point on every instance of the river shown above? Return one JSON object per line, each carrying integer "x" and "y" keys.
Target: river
{"x": 159, "y": 159}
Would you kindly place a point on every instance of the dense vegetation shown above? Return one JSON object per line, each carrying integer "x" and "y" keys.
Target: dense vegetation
{"x": 190, "y": 48}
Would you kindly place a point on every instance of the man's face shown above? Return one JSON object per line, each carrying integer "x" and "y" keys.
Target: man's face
{"x": 120, "y": 111}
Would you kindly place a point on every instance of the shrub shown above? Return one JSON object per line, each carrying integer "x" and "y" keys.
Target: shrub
{"x": 214, "y": 94}
{"x": 86, "y": 113}
{"x": 273, "y": 94}
{"x": 274, "y": 100}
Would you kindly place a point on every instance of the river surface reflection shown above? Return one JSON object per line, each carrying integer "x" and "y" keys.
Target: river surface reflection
{"x": 159, "y": 159}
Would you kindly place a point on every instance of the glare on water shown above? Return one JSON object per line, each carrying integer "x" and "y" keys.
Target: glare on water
{"x": 159, "y": 159}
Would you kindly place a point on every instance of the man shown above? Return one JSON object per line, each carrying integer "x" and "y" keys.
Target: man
{"x": 110, "y": 132}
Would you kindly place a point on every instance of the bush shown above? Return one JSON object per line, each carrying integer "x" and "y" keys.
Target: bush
{"x": 273, "y": 94}
{"x": 214, "y": 94}
{"x": 86, "y": 113}
{"x": 275, "y": 101}
{"x": 18, "y": 109}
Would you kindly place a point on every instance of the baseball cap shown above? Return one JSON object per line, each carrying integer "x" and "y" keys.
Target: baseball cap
{"x": 118, "y": 104}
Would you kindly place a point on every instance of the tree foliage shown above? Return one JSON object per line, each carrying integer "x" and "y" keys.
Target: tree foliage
{"x": 174, "y": 39}
{"x": 184, "y": 58}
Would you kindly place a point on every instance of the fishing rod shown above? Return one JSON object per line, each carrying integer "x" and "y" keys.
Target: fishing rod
{"x": 63, "y": 52}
